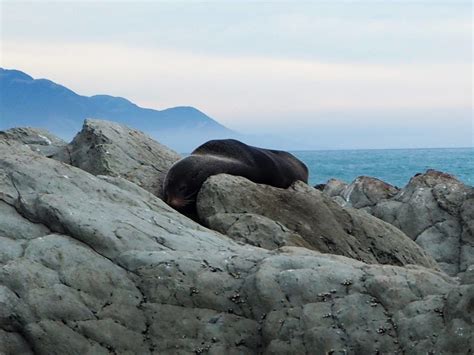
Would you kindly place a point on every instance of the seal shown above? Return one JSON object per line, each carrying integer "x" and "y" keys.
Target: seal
{"x": 263, "y": 166}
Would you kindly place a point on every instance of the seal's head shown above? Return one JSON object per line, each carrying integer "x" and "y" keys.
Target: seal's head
{"x": 183, "y": 182}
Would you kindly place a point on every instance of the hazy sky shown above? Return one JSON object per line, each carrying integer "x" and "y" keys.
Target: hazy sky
{"x": 332, "y": 74}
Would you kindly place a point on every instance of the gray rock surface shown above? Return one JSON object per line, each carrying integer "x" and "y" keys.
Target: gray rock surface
{"x": 255, "y": 229}
{"x": 97, "y": 265}
{"x": 108, "y": 148}
{"x": 435, "y": 209}
{"x": 334, "y": 187}
{"x": 366, "y": 191}
{"x": 39, "y": 140}
{"x": 310, "y": 215}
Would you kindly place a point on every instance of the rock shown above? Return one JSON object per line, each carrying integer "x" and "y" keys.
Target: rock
{"x": 39, "y": 140}
{"x": 108, "y": 148}
{"x": 13, "y": 343}
{"x": 107, "y": 267}
{"x": 309, "y": 215}
{"x": 467, "y": 277}
{"x": 366, "y": 192}
{"x": 434, "y": 209}
{"x": 340, "y": 201}
{"x": 437, "y": 211}
{"x": 334, "y": 187}
{"x": 363, "y": 192}
{"x": 257, "y": 230}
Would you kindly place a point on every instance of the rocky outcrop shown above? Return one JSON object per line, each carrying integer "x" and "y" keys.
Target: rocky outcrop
{"x": 255, "y": 229}
{"x": 301, "y": 213}
{"x": 367, "y": 191}
{"x": 107, "y": 148}
{"x": 97, "y": 265}
{"x": 39, "y": 140}
{"x": 363, "y": 192}
{"x": 334, "y": 187}
{"x": 435, "y": 209}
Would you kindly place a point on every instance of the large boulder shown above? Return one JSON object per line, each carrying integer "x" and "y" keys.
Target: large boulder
{"x": 39, "y": 140}
{"x": 367, "y": 191}
{"x": 98, "y": 265}
{"x": 311, "y": 216}
{"x": 108, "y": 148}
{"x": 334, "y": 187}
{"x": 437, "y": 211}
{"x": 434, "y": 209}
{"x": 364, "y": 192}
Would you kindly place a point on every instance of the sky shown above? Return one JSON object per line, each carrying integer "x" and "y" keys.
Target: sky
{"x": 324, "y": 74}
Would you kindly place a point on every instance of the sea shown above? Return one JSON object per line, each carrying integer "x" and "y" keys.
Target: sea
{"x": 394, "y": 166}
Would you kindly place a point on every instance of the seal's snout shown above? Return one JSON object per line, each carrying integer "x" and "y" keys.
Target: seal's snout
{"x": 176, "y": 202}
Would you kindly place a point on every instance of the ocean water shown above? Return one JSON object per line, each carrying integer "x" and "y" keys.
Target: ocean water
{"x": 395, "y": 166}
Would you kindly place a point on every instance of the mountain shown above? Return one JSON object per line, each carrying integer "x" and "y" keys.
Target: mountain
{"x": 25, "y": 101}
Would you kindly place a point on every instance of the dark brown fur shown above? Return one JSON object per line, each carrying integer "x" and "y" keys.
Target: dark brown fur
{"x": 263, "y": 166}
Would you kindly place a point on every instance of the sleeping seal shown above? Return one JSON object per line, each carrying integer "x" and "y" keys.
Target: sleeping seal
{"x": 263, "y": 166}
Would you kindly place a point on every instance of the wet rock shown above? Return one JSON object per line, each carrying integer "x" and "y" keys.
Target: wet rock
{"x": 308, "y": 213}
{"x": 108, "y": 148}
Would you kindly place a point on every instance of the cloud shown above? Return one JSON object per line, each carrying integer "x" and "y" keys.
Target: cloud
{"x": 340, "y": 31}
{"x": 242, "y": 88}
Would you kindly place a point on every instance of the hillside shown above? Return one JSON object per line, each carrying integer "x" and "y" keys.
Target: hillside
{"x": 25, "y": 101}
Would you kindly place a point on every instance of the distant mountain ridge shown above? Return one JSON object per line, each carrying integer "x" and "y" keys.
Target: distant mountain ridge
{"x": 25, "y": 101}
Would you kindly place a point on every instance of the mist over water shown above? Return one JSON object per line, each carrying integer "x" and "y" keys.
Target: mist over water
{"x": 394, "y": 166}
